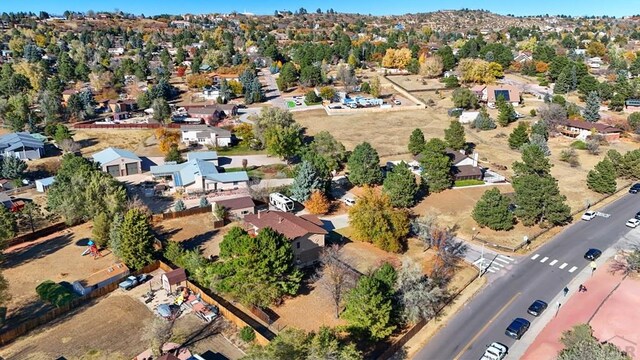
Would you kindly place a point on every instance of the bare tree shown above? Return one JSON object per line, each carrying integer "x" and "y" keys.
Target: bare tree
{"x": 337, "y": 276}
{"x": 553, "y": 115}
{"x": 419, "y": 295}
{"x": 156, "y": 333}
{"x": 627, "y": 262}
{"x": 69, "y": 145}
{"x": 422, "y": 227}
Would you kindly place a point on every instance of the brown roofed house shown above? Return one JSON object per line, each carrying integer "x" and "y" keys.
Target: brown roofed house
{"x": 583, "y": 129}
{"x": 510, "y": 93}
{"x": 305, "y": 232}
{"x": 237, "y": 207}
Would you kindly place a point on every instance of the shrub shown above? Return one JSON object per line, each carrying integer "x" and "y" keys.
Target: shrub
{"x": 533, "y": 112}
{"x": 593, "y": 146}
{"x": 469, "y": 182}
{"x": 484, "y": 123}
{"x": 570, "y": 156}
{"x": 54, "y": 293}
{"x": 579, "y": 145}
{"x": 634, "y": 121}
{"x": 247, "y": 334}
{"x": 311, "y": 98}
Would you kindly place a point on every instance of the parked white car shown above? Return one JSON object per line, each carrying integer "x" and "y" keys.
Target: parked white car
{"x": 633, "y": 223}
{"x": 495, "y": 351}
{"x": 397, "y": 102}
{"x": 588, "y": 215}
{"x": 349, "y": 201}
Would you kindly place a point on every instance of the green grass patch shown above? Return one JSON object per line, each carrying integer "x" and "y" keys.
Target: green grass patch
{"x": 579, "y": 145}
{"x": 312, "y": 103}
{"x": 291, "y": 104}
{"x": 240, "y": 150}
{"x": 470, "y": 182}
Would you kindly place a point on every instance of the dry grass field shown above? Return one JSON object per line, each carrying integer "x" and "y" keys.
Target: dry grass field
{"x": 415, "y": 82}
{"x": 94, "y": 140}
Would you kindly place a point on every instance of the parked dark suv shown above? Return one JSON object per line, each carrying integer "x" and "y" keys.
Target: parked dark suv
{"x": 634, "y": 188}
{"x": 537, "y": 308}
{"x": 518, "y": 327}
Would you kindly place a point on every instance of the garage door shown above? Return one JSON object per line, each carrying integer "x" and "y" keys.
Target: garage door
{"x": 132, "y": 168}
{"x": 114, "y": 170}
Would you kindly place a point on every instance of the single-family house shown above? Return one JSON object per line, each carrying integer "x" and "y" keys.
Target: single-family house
{"x": 463, "y": 167}
{"x": 21, "y": 145}
{"x": 210, "y": 114}
{"x": 237, "y": 207}
{"x": 66, "y": 94}
{"x": 199, "y": 175}
{"x": 173, "y": 279}
{"x": 477, "y": 90}
{"x": 205, "y": 135}
{"x": 510, "y": 93}
{"x": 523, "y": 57}
{"x": 118, "y": 106}
{"x": 42, "y": 185}
{"x": 211, "y": 93}
{"x": 581, "y": 130}
{"x": 118, "y": 162}
{"x": 305, "y": 232}
{"x": 117, "y": 51}
{"x": 101, "y": 279}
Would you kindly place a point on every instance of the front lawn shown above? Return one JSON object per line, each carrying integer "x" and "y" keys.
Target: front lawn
{"x": 240, "y": 150}
{"x": 470, "y": 182}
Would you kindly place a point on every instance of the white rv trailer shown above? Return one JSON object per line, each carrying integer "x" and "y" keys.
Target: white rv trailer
{"x": 281, "y": 202}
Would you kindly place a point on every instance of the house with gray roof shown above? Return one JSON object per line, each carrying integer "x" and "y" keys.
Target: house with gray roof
{"x": 21, "y": 145}
{"x": 118, "y": 162}
{"x": 199, "y": 174}
{"x": 205, "y": 135}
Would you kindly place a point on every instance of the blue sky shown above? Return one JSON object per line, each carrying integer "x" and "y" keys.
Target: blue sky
{"x": 153, "y": 7}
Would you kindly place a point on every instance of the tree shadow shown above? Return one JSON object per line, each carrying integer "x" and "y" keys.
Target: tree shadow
{"x": 31, "y": 309}
{"x": 36, "y": 251}
{"x": 198, "y": 240}
{"x": 146, "y": 163}
{"x": 87, "y": 142}
{"x": 164, "y": 233}
{"x": 202, "y": 333}
{"x": 223, "y": 160}
{"x": 51, "y": 151}
{"x": 210, "y": 355}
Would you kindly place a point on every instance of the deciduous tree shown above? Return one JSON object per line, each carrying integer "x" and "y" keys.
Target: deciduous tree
{"x": 419, "y": 296}
{"x": 317, "y": 203}
{"x": 580, "y": 344}
{"x": 464, "y": 98}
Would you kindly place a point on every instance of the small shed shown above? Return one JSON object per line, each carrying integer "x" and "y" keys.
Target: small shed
{"x": 173, "y": 279}
{"x": 101, "y": 278}
{"x": 43, "y": 185}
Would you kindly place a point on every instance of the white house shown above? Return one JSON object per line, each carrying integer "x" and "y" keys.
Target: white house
{"x": 21, "y": 145}
{"x": 205, "y": 135}
{"x": 118, "y": 162}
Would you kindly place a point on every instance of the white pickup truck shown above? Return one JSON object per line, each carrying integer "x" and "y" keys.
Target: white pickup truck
{"x": 495, "y": 351}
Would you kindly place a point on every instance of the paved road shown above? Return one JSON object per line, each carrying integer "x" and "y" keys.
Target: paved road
{"x": 271, "y": 90}
{"x": 541, "y": 275}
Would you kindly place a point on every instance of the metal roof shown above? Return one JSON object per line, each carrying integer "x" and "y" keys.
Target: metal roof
{"x": 202, "y": 155}
{"x": 110, "y": 154}
{"x": 185, "y": 173}
{"x": 20, "y": 139}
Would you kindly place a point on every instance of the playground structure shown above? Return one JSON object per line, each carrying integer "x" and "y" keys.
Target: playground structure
{"x": 92, "y": 249}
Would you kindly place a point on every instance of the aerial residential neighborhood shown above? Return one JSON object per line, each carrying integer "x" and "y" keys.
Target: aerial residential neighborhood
{"x": 239, "y": 180}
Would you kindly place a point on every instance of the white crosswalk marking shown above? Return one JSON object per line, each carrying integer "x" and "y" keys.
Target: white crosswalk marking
{"x": 573, "y": 269}
{"x": 491, "y": 270}
{"x": 505, "y": 259}
{"x": 563, "y": 266}
{"x": 544, "y": 259}
{"x": 553, "y": 262}
{"x": 497, "y": 264}
{"x": 495, "y": 268}
{"x": 535, "y": 256}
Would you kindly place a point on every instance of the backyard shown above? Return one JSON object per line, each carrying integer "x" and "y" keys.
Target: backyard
{"x": 56, "y": 257}
{"x": 141, "y": 142}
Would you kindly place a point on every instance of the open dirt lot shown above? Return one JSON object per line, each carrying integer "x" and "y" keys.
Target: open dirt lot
{"x": 94, "y": 140}
{"x": 55, "y": 257}
{"x": 194, "y": 232}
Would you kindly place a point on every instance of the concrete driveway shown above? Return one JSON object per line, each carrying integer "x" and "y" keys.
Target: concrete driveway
{"x": 252, "y": 160}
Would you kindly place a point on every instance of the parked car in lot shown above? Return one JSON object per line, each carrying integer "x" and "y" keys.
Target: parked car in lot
{"x": 588, "y": 215}
{"x": 349, "y": 201}
{"x": 517, "y": 328}
{"x": 132, "y": 281}
{"x": 633, "y": 223}
{"x": 634, "y": 188}
{"x": 495, "y": 351}
{"x": 537, "y": 308}
{"x": 592, "y": 254}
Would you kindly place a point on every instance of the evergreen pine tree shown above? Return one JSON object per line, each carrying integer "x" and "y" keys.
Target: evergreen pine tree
{"x": 492, "y": 211}
{"x": 179, "y": 206}
{"x": 416, "y": 142}
{"x": 136, "y": 247}
{"x": 436, "y": 165}
{"x": 592, "y": 109}
{"x": 400, "y": 184}
{"x": 602, "y": 179}
{"x": 307, "y": 179}
{"x": 519, "y": 136}
{"x": 204, "y": 202}
{"x": 364, "y": 165}
{"x": 539, "y": 141}
{"x": 454, "y": 136}
{"x": 562, "y": 83}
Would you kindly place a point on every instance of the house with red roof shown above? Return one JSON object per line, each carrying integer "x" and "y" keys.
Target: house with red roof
{"x": 305, "y": 232}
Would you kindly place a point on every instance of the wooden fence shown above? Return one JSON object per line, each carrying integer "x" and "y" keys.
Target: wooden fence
{"x": 228, "y": 310}
{"x": 125, "y": 126}
{"x": 37, "y": 234}
{"x": 11, "y": 333}
{"x": 179, "y": 214}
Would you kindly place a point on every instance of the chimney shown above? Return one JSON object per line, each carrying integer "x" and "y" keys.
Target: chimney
{"x": 259, "y": 214}
{"x": 475, "y": 159}
{"x": 279, "y": 220}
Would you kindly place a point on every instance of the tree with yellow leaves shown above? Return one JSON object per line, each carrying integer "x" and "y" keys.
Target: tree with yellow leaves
{"x": 198, "y": 81}
{"x": 396, "y": 58}
{"x": 317, "y": 203}
{"x": 33, "y": 72}
{"x": 596, "y": 48}
{"x": 431, "y": 67}
{"x": 479, "y": 71}
{"x": 166, "y": 139}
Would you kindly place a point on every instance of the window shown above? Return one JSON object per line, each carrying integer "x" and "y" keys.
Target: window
{"x": 297, "y": 244}
{"x": 235, "y": 183}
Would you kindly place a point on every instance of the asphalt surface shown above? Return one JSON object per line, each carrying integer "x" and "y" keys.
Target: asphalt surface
{"x": 543, "y": 274}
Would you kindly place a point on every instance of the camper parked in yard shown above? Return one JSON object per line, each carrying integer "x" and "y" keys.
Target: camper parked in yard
{"x": 281, "y": 202}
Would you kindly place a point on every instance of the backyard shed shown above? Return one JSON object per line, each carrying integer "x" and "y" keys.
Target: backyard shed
{"x": 101, "y": 278}
{"x": 42, "y": 185}
{"x": 173, "y": 279}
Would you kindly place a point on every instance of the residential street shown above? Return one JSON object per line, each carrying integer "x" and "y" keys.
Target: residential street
{"x": 271, "y": 91}
{"x": 541, "y": 275}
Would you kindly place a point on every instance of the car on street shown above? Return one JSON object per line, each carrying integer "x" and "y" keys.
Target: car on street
{"x": 397, "y": 102}
{"x": 638, "y": 215}
{"x": 588, "y": 215}
{"x": 592, "y": 254}
{"x": 537, "y": 308}
{"x": 517, "y": 328}
{"x": 633, "y": 223}
{"x": 495, "y": 351}
{"x": 634, "y": 188}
